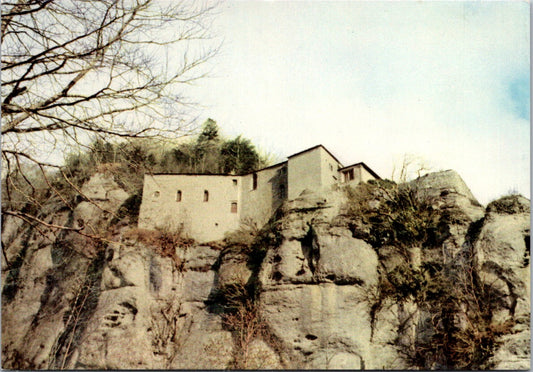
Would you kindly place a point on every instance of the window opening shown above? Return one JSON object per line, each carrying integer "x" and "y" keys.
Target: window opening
{"x": 233, "y": 207}
{"x": 156, "y": 194}
{"x": 234, "y": 182}
{"x": 206, "y": 196}
{"x": 348, "y": 175}
{"x": 178, "y": 196}
{"x": 254, "y": 181}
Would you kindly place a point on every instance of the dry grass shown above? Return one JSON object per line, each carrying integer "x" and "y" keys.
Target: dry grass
{"x": 162, "y": 242}
{"x": 248, "y": 326}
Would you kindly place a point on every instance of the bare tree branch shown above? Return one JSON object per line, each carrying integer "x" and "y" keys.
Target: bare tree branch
{"x": 73, "y": 69}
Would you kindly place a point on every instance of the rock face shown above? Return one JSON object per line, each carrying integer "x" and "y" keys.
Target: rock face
{"x": 318, "y": 288}
{"x": 502, "y": 255}
{"x": 316, "y": 293}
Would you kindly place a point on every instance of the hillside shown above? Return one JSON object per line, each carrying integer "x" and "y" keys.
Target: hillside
{"x": 380, "y": 276}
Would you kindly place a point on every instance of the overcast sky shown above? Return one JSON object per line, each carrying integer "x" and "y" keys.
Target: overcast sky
{"x": 447, "y": 82}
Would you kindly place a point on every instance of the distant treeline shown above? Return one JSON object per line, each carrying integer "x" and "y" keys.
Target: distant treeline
{"x": 129, "y": 160}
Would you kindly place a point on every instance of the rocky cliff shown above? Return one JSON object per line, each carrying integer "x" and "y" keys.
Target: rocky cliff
{"x": 382, "y": 276}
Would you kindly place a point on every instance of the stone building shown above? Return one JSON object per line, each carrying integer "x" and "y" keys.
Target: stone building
{"x": 206, "y": 206}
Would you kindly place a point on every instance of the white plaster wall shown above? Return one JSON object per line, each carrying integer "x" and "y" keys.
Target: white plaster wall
{"x": 366, "y": 175}
{"x": 202, "y": 221}
{"x": 304, "y": 172}
{"x": 329, "y": 170}
{"x": 258, "y": 205}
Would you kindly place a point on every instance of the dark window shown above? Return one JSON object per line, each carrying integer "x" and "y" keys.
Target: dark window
{"x": 254, "y": 181}
{"x": 234, "y": 182}
{"x": 348, "y": 175}
{"x": 233, "y": 207}
{"x": 178, "y": 196}
{"x": 206, "y": 195}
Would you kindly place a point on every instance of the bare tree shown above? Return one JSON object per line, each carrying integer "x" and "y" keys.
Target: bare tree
{"x": 412, "y": 166}
{"x": 79, "y": 69}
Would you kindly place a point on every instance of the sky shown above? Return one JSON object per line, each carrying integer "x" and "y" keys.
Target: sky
{"x": 445, "y": 83}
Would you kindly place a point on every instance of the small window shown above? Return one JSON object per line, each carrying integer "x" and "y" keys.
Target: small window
{"x": 331, "y": 167}
{"x": 233, "y": 207}
{"x": 206, "y": 196}
{"x": 156, "y": 194}
{"x": 234, "y": 182}
{"x": 178, "y": 196}
{"x": 348, "y": 175}
{"x": 254, "y": 181}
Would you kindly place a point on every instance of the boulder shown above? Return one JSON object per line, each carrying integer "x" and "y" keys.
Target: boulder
{"x": 233, "y": 270}
{"x": 345, "y": 260}
{"x": 198, "y": 258}
{"x": 447, "y": 189}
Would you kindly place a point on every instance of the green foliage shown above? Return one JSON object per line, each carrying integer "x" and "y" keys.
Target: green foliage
{"x": 405, "y": 282}
{"x": 238, "y": 156}
{"x": 127, "y": 161}
{"x": 393, "y": 218}
{"x": 205, "y": 150}
{"x": 464, "y": 332}
{"x": 509, "y": 204}
{"x": 395, "y": 214}
{"x": 209, "y": 132}
{"x": 383, "y": 183}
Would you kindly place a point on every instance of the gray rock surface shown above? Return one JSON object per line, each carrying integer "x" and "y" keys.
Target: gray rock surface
{"x": 449, "y": 189}
{"x": 325, "y": 296}
{"x": 502, "y": 261}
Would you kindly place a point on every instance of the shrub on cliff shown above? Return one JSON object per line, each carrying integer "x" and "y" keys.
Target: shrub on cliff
{"x": 395, "y": 213}
{"x": 461, "y": 332}
{"x": 509, "y": 204}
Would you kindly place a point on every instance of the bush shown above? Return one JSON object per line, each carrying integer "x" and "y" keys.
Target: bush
{"x": 396, "y": 215}
{"x": 163, "y": 242}
{"x": 462, "y": 333}
{"x": 510, "y": 204}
